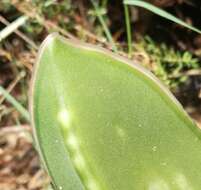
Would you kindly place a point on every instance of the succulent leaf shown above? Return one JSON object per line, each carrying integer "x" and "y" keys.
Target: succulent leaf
{"x": 105, "y": 123}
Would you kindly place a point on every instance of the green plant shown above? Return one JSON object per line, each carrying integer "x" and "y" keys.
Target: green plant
{"x": 104, "y": 123}
{"x": 165, "y": 62}
{"x": 160, "y": 12}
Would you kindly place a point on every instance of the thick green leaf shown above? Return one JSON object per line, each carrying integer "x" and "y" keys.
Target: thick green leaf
{"x": 160, "y": 12}
{"x": 104, "y": 123}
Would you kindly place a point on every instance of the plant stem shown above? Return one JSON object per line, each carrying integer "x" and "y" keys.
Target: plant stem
{"x": 15, "y": 103}
{"x": 12, "y": 27}
{"x": 128, "y": 29}
{"x": 104, "y": 25}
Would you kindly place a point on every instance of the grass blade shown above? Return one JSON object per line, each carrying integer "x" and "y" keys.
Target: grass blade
{"x": 104, "y": 25}
{"x": 161, "y": 13}
{"x": 15, "y": 103}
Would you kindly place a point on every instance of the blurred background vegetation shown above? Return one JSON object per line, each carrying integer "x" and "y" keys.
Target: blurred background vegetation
{"x": 170, "y": 51}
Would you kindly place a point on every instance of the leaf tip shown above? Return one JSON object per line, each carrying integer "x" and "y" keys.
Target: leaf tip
{"x": 49, "y": 39}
